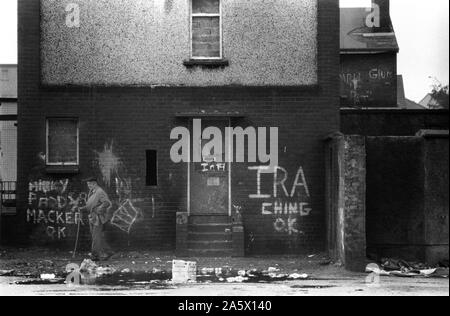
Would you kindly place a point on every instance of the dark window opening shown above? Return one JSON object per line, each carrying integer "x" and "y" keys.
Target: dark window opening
{"x": 152, "y": 168}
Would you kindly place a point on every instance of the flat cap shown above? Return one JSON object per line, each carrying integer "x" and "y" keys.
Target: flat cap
{"x": 90, "y": 179}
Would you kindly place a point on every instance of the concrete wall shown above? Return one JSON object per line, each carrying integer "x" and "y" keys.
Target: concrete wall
{"x": 145, "y": 42}
{"x": 346, "y": 200}
{"x": 120, "y": 123}
{"x": 387, "y": 196}
{"x": 389, "y": 122}
{"x": 407, "y": 198}
{"x": 436, "y": 197}
{"x": 369, "y": 80}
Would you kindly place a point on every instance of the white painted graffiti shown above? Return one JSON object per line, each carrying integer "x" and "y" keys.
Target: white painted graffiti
{"x": 50, "y": 204}
{"x": 48, "y": 186}
{"x": 288, "y": 225}
{"x": 125, "y": 216}
{"x": 285, "y": 203}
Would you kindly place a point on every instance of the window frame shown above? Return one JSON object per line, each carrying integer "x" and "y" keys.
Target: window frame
{"x": 47, "y": 156}
{"x": 193, "y": 15}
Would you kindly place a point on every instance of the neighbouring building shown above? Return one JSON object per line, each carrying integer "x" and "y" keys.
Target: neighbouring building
{"x": 103, "y": 83}
{"x": 430, "y": 102}
{"x": 8, "y": 140}
{"x": 369, "y": 51}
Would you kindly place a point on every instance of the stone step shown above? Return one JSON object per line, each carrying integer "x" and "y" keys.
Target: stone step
{"x": 210, "y": 228}
{"x": 210, "y": 245}
{"x": 216, "y": 253}
{"x": 209, "y": 219}
{"x": 207, "y": 236}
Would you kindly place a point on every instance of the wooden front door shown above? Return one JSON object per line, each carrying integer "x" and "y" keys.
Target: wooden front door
{"x": 210, "y": 179}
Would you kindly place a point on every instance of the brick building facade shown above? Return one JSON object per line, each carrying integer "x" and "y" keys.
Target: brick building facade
{"x": 101, "y": 86}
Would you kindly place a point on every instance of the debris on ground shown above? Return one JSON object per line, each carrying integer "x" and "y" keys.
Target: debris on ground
{"x": 238, "y": 279}
{"x": 326, "y": 262}
{"x": 297, "y": 276}
{"x": 90, "y": 269}
{"x": 48, "y": 276}
{"x": 30, "y": 263}
{"x": 88, "y": 266}
{"x": 402, "y": 265}
{"x": 184, "y": 271}
{"x": 41, "y": 282}
{"x": 7, "y": 272}
{"x": 402, "y": 268}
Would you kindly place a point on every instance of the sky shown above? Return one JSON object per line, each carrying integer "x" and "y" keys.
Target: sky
{"x": 422, "y": 28}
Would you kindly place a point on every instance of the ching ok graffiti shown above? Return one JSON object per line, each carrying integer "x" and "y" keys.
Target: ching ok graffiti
{"x": 285, "y": 203}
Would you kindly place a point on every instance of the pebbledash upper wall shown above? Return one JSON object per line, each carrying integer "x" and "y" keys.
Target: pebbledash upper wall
{"x": 144, "y": 43}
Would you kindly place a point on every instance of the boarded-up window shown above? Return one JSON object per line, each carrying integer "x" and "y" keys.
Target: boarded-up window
{"x": 62, "y": 141}
{"x": 206, "y": 29}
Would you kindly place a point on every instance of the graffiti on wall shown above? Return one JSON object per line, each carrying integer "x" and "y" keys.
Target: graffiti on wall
{"x": 284, "y": 202}
{"x": 125, "y": 216}
{"x": 359, "y": 86}
{"x": 50, "y": 203}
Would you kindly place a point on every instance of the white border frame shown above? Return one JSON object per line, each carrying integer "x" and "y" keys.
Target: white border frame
{"x": 191, "y": 18}
{"x": 62, "y": 164}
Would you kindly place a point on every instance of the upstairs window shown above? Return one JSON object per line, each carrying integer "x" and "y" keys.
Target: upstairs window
{"x": 206, "y": 29}
{"x": 62, "y": 142}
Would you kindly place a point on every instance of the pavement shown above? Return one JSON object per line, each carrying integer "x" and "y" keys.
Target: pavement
{"x": 149, "y": 274}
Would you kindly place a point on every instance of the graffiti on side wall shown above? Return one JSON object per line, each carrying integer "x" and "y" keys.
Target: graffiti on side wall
{"x": 51, "y": 204}
{"x": 285, "y": 203}
{"x": 360, "y": 87}
{"x": 125, "y": 216}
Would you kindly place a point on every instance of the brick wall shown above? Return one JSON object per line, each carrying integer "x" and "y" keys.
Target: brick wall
{"x": 369, "y": 80}
{"x": 407, "y": 197}
{"x": 125, "y": 122}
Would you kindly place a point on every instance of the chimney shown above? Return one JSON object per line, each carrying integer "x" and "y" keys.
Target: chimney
{"x": 385, "y": 19}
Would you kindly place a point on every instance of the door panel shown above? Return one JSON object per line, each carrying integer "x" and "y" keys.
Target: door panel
{"x": 209, "y": 180}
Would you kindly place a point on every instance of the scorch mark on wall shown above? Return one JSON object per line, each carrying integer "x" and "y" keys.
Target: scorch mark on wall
{"x": 111, "y": 168}
{"x": 108, "y": 163}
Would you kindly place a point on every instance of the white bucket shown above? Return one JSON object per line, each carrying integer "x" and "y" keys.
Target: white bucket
{"x": 184, "y": 271}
